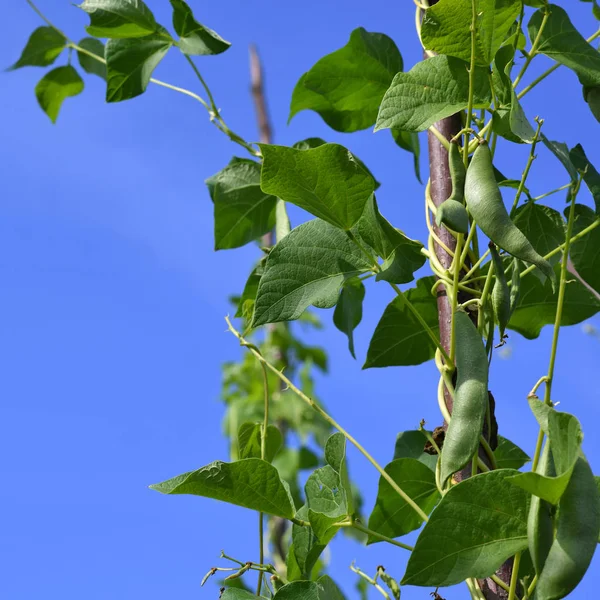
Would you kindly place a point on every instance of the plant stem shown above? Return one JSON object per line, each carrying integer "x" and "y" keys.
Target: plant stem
{"x": 421, "y": 320}
{"x": 561, "y": 294}
{"x": 499, "y": 582}
{"x": 471, "y": 85}
{"x": 560, "y": 189}
{"x": 45, "y": 19}
{"x": 549, "y": 71}
{"x": 263, "y": 455}
{"x": 514, "y": 577}
{"x": 454, "y": 299}
{"x": 371, "y": 580}
{"x": 330, "y": 420}
{"x": 360, "y": 527}
{"x": 534, "y": 47}
{"x": 530, "y": 160}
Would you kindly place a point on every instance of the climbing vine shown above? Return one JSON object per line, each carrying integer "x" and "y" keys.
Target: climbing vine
{"x": 499, "y": 259}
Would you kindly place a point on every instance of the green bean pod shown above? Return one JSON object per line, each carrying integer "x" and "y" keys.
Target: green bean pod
{"x": 486, "y": 206}
{"x": 470, "y": 398}
{"x": 453, "y": 215}
{"x": 577, "y": 528}
{"x": 540, "y": 523}
{"x": 452, "y": 212}
{"x": 515, "y": 288}
{"x": 500, "y": 293}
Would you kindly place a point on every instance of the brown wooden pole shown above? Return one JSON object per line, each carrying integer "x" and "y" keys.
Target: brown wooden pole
{"x": 441, "y": 189}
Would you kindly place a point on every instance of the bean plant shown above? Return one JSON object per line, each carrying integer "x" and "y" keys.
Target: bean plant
{"x": 499, "y": 259}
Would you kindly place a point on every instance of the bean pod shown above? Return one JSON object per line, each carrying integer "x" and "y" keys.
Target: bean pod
{"x": 577, "y": 527}
{"x": 470, "y": 398}
{"x": 452, "y": 213}
{"x": 500, "y": 293}
{"x": 485, "y": 203}
{"x": 540, "y": 523}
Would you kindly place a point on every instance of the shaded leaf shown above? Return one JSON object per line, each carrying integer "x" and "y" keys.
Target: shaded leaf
{"x": 409, "y": 141}
{"x": 119, "y": 18}
{"x": 251, "y": 483}
{"x": 454, "y": 545}
{"x": 591, "y": 176}
{"x": 55, "y": 86}
{"x": 89, "y": 64}
{"x": 249, "y": 441}
{"x": 130, "y": 64}
{"x": 562, "y": 42}
{"x": 327, "y": 181}
{"x": 536, "y": 305}
{"x": 348, "y": 311}
{"x": 402, "y": 256}
{"x": 306, "y": 547}
{"x": 585, "y": 253}
{"x": 43, "y": 47}
{"x": 346, "y": 87}
{"x": 508, "y": 455}
{"x": 411, "y": 444}
{"x": 232, "y": 593}
{"x": 242, "y": 211}
{"x": 392, "y": 516}
{"x": 399, "y": 338}
{"x": 307, "y": 267}
{"x": 195, "y": 38}
{"x": 432, "y": 90}
{"x": 561, "y": 151}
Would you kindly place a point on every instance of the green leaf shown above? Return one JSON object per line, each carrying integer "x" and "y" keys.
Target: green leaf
{"x": 432, "y": 90}
{"x": 242, "y": 211}
{"x": 348, "y": 312}
{"x": 564, "y": 433}
{"x": 561, "y": 151}
{"x": 454, "y": 545}
{"x": 402, "y": 256}
{"x": 245, "y": 305}
{"x": 511, "y": 122}
{"x": 315, "y": 142}
{"x": 327, "y": 181}
{"x": 251, "y": 483}
{"x": 195, "y": 38}
{"x": 446, "y": 28}
{"x": 89, "y": 64}
{"x": 563, "y": 43}
{"x": 409, "y": 141}
{"x": 584, "y": 253}
{"x": 400, "y": 339}
{"x": 308, "y": 266}
{"x": 544, "y": 227}
{"x": 55, "y": 86}
{"x": 238, "y": 594}
{"x": 322, "y": 589}
{"x": 119, "y": 18}
{"x": 130, "y": 64}
{"x": 249, "y": 441}
{"x": 346, "y": 87}
{"x": 591, "y": 175}
{"x": 43, "y": 47}
{"x": 307, "y": 548}
{"x": 508, "y": 455}
{"x": 392, "y": 516}
{"x": 536, "y": 305}
{"x": 328, "y": 492}
{"x": 591, "y": 95}
{"x": 411, "y": 444}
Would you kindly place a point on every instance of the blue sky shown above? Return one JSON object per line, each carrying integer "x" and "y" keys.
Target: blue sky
{"x": 113, "y": 303}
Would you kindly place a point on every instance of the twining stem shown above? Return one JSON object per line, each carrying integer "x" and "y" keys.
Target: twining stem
{"x": 534, "y": 47}
{"x": 499, "y": 582}
{"x": 557, "y": 321}
{"x": 514, "y": 579}
{"x": 471, "y": 88}
{"x": 561, "y": 295}
{"x": 454, "y": 298}
{"x": 263, "y": 455}
{"x": 330, "y": 420}
{"x": 360, "y": 527}
{"x": 371, "y": 580}
{"x": 549, "y": 71}
{"x": 530, "y": 160}
{"x": 212, "y": 109}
